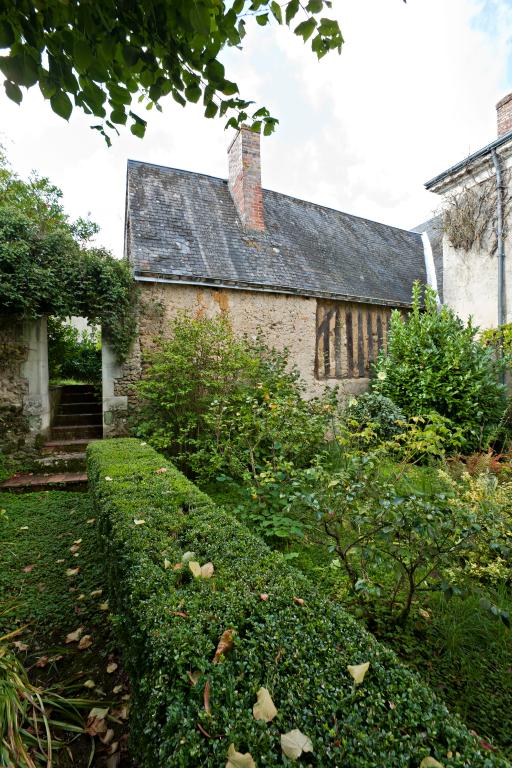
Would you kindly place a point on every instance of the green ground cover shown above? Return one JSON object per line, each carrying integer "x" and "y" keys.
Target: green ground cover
{"x": 201, "y": 648}
{"x": 459, "y": 648}
{"x": 44, "y": 538}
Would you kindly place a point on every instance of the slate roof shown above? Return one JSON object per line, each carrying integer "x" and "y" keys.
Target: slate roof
{"x": 183, "y": 227}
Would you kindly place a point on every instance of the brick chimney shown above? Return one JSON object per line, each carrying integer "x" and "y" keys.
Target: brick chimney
{"x": 245, "y": 178}
{"x": 504, "y": 114}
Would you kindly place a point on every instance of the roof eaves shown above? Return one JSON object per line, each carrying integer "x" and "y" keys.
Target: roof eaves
{"x": 464, "y": 164}
{"x": 151, "y": 277}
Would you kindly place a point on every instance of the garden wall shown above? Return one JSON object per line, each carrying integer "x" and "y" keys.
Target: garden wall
{"x": 190, "y": 701}
{"x": 24, "y": 397}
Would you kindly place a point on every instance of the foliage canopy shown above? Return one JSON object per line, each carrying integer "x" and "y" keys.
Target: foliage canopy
{"x": 99, "y": 56}
{"x": 47, "y": 268}
{"x": 434, "y": 363}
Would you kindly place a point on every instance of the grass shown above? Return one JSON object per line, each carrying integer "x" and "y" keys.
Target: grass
{"x": 44, "y": 537}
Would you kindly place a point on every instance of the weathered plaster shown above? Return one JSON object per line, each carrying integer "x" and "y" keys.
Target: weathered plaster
{"x": 36, "y": 402}
{"x": 283, "y": 320}
{"x": 114, "y": 407}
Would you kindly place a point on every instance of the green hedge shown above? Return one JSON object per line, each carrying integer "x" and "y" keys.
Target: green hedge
{"x": 298, "y": 652}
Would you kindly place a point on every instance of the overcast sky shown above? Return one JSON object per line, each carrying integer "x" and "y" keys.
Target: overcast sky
{"x": 413, "y": 92}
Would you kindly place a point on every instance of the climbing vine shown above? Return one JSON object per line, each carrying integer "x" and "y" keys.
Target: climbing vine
{"x": 47, "y": 266}
{"x": 470, "y": 218}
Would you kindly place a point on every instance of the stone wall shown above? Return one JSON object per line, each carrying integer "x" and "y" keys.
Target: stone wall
{"x": 13, "y": 385}
{"x": 285, "y": 321}
{"x": 24, "y": 395}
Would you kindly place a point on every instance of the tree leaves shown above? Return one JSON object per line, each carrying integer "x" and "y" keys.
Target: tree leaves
{"x": 295, "y": 743}
{"x": 153, "y": 48}
{"x": 61, "y": 104}
{"x": 264, "y": 709}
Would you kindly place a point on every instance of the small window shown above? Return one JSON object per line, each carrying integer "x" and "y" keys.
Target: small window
{"x": 349, "y": 337}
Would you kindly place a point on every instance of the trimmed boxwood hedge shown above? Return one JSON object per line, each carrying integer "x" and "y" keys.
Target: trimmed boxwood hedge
{"x": 169, "y": 625}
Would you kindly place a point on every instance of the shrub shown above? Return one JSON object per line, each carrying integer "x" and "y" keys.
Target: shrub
{"x": 375, "y": 413}
{"x": 73, "y": 354}
{"x": 222, "y": 404}
{"x": 435, "y": 363}
{"x": 190, "y": 703}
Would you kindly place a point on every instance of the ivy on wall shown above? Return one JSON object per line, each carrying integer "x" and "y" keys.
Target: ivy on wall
{"x": 47, "y": 266}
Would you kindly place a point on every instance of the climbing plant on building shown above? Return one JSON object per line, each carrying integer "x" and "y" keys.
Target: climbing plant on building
{"x": 101, "y": 56}
{"x": 48, "y": 267}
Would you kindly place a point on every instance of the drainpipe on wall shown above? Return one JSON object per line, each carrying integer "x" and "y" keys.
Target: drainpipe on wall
{"x": 501, "y": 244}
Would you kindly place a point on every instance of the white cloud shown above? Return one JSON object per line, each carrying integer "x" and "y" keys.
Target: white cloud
{"x": 413, "y": 92}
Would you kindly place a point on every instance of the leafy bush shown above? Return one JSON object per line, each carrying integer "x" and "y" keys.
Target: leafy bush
{"x": 375, "y": 412}
{"x": 73, "y": 354}
{"x": 435, "y": 363}
{"x": 392, "y": 543}
{"x": 47, "y": 268}
{"x": 191, "y": 702}
{"x": 222, "y": 404}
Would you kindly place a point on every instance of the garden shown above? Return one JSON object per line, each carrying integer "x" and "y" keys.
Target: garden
{"x": 322, "y": 581}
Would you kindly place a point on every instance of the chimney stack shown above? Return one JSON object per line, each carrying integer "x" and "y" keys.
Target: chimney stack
{"x": 245, "y": 178}
{"x": 504, "y": 114}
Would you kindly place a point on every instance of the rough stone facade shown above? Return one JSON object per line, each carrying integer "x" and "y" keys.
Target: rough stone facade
{"x": 284, "y": 321}
{"x": 13, "y": 385}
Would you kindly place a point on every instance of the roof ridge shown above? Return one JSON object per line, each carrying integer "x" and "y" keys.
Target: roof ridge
{"x": 276, "y": 192}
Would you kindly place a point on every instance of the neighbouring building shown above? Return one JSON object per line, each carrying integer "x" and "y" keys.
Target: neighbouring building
{"x": 474, "y": 229}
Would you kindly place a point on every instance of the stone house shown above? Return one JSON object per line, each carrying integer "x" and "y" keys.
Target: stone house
{"x": 320, "y": 282}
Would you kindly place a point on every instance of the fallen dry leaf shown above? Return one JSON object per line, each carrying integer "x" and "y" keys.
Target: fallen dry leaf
{"x": 42, "y": 662}
{"x": 96, "y": 722}
{"x": 181, "y": 614}
{"x": 111, "y": 667}
{"x": 85, "y": 642}
{"x": 188, "y": 556}
{"x": 74, "y": 549}
{"x": 57, "y": 657}
{"x": 298, "y": 600}
{"x": 161, "y": 471}
{"x": 430, "y": 762}
{"x": 28, "y": 568}
{"x": 81, "y": 597}
{"x": 77, "y": 541}
{"x": 91, "y": 521}
{"x": 20, "y": 646}
{"x": 108, "y": 479}
{"x": 107, "y": 737}
{"x": 167, "y": 564}
{"x": 96, "y": 592}
{"x": 104, "y": 606}
{"x": 117, "y": 689}
{"x": 75, "y": 636}
{"x": 264, "y": 596}
{"x": 206, "y": 698}
{"x": 24, "y": 528}
{"x": 225, "y": 645}
{"x": 113, "y": 747}
{"x": 207, "y": 571}
{"x": 60, "y": 560}
{"x": 73, "y": 571}
{"x": 264, "y": 709}
{"x": 178, "y": 566}
{"x": 195, "y": 568}
{"x": 138, "y": 521}
{"x": 295, "y": 743}
{"x": 239, "y": 760}
{"x": 425, "y": 614}
{"x": 358, "y": 672}
{"x": 90, "y": 684}
{"x": 194, "y": 677}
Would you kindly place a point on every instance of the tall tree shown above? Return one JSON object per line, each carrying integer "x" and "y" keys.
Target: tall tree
{"x": 99, "y": 55}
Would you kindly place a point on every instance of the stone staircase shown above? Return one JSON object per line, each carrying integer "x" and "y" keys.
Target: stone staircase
{"x": 77, "y": 421}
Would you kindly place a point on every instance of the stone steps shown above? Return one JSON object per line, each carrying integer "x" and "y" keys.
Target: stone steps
{"x": 65, "y": 446}
{"x": 73, "y": 432}
{"x": 63, "y": 462}
{"x": 77, "y": 419}
{"x": 32, "y": 482}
